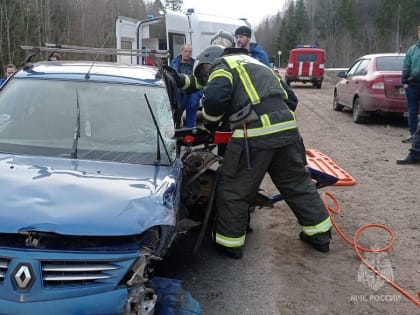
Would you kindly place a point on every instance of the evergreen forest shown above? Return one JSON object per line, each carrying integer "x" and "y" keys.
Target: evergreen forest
{"x": 346, "y": 29}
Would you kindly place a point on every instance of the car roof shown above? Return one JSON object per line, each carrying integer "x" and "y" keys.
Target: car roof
{"x": 382, "y": 55}
{"x": 97, "y": 71}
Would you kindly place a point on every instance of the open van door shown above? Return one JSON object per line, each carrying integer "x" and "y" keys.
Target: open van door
{"x": 164, "y": 32}
{"x": 126, "y": 30}
{"x": 171, "y": 30}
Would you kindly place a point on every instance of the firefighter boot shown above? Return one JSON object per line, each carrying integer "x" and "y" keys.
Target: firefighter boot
{"x": 232, "y": 252}
{"x": 320, "y": 242}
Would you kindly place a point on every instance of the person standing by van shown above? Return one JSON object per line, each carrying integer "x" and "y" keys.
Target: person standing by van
{"x": 184, "y": 63}
{"x": 243, "y": 40}
{"x": 10, "y": 69}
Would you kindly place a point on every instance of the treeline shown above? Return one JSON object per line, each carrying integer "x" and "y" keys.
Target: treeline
{"x": 73, "y": 22}
{"x": 344, "y": 28}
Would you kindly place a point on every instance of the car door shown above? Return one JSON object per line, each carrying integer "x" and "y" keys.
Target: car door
{"x": 358, "y": 82}
{"x": 343, "y": 86}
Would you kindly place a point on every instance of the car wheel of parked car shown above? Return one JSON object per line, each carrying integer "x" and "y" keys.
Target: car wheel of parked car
{"x": 336, "y": 105}
{"x": 318, "y": 85}
{"x": 359, "y": 116}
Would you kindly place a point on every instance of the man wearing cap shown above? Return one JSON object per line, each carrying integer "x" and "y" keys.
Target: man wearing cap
{"x": 243, "y": 40}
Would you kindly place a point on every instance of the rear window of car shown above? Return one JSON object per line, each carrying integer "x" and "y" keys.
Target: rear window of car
{"x": 307, "y": 57}
{"x": 389, "y": 63}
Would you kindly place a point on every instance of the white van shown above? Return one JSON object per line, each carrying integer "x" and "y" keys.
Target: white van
{"x": 170, "y": 31}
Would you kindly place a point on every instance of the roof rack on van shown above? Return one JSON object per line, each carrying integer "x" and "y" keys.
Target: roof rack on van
{"x": 99, "y": 51}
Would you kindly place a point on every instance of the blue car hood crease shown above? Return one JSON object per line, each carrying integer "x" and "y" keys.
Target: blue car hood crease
{"x": 77, "y": 197}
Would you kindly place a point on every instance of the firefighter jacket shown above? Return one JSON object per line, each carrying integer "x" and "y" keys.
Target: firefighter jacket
{"x": 238, "y": 80}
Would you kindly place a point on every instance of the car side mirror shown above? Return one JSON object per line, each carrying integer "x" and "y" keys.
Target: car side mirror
{"x": 341, "y": 74}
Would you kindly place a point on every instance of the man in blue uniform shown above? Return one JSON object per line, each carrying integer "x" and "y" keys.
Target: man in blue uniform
{"x": 190, "y": 102}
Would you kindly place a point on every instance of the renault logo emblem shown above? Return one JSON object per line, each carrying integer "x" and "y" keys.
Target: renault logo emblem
{"x": 23, "y": 276}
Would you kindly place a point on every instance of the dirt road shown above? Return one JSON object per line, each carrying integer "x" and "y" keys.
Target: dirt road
{"x": 281, "y": 275}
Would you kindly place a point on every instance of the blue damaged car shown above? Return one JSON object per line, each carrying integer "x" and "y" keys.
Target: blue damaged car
{"x": 90, "y": 187}
{"x": 98, "y": 180}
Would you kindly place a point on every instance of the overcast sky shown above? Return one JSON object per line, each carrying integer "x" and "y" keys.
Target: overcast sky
{"x": 254, "y": 12}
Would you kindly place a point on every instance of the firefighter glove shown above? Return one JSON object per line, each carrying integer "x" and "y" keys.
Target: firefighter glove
{"x": 171, "y": 72}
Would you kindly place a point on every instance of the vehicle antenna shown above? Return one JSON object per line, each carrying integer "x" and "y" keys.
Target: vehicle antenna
{"x": 87, "y": 75}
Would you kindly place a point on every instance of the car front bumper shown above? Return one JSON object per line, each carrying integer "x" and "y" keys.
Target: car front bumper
{"x": 112, "y": 302}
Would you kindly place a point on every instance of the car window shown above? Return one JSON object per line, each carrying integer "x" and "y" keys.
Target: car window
{"x": 353, "y": 68}
{"x": 41, "y": 116}
{"x": 389, "y": 63}
{"x": 362, "y": 68}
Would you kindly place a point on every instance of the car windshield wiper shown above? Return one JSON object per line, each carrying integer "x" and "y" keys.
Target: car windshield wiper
{"x": 159, "y": 134}
{"x": 76, "y": 135}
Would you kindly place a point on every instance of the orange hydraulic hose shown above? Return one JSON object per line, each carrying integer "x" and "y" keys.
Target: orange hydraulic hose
{"x": 359, "y": 249}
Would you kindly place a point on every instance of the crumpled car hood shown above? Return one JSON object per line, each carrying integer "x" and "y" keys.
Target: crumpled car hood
{"x": 76, "y": 197}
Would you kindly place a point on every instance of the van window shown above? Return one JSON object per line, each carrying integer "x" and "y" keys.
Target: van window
{"x": 175, "y": 43}
{"x": 307, "y": 57}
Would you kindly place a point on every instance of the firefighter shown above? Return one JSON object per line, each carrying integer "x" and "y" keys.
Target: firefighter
{"x": 223, "y": 38}
{"x": 249, "y": 95}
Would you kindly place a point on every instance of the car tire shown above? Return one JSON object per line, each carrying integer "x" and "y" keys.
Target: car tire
{"x": 317, "y": 85}
{"x": 336, "y": 105}
{"x": 359, "y": 116}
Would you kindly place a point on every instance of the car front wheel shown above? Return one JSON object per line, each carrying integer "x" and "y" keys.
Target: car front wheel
{"x": 336, "y": 105}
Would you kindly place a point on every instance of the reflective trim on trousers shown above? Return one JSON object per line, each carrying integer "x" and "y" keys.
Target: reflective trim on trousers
{"x": 230, "y": 241}
{"x": 322, "y": 227}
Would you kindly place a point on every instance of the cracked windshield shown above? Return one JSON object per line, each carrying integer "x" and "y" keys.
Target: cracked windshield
{"x": 95, "y": 121}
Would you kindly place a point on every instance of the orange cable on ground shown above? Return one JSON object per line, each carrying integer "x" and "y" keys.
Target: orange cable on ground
{"x": 359, "y": 249}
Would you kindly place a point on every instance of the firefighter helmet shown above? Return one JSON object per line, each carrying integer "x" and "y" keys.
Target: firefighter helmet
{"x": 223, "y": 38}
{"x": 206, "y": 56}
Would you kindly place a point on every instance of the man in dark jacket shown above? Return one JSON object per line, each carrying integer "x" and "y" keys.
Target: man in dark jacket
{"x": 184, "y": 63}
{"x": 250, "y": 96}
{"x": 243, "y": 40}
{"x": 411, "y": 82}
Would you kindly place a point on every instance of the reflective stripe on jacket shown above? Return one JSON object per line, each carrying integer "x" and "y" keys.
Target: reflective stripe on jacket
{"x": 267, "y": 128}
{"x": 242, "y": 80}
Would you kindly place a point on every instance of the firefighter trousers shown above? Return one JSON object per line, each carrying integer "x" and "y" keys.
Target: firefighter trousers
{"x": 238, "y": 186}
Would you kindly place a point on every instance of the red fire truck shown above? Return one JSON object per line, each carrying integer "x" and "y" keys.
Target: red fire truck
{"x": 306, "y": 64}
